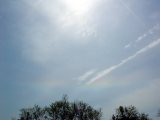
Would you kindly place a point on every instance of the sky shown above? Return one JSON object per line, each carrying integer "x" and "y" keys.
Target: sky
{"x": 104, "y": 52}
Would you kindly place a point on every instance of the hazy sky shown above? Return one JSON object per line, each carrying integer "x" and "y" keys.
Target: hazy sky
{"x": 104, "y": 52}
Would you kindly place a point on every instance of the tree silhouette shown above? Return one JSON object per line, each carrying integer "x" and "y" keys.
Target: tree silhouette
{"x": 83, "y": 111}
{"x": 34, "y": 113}
{"x": 64, "y": 110}
{"x": 129, "y": 113}
{"x": 78, "y": 110}
{"x": 158, "y": 114}
{"x": 61, "y": 110}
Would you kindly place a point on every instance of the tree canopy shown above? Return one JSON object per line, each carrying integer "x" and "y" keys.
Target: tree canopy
{"x": 61, "y": 110}
{"x": 158, "y": 114}
{"x": 129, "y": 113}
{"x": 77, "y": 110}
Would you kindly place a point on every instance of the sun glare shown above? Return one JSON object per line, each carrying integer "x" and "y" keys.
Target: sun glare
{"x": 74, "y": 15}
{"x": 79, "y": 7}
{"x": 77, "y": 12}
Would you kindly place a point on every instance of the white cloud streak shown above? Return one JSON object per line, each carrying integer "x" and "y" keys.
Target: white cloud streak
{"x": 143, "y": 36}
{"x": 114, "y": 67}
{"x": 127, "y": 46}
{"x": 87, "y": 75}
{"x": 149, "y": 32}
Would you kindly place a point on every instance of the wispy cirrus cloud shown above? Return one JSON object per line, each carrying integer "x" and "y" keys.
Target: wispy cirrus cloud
{"x": 132, "y": 12}
{"x": 128, "y": 45}
{"x": 149, "y": 32}
{"x": 105, "y": 72}
{"x": 143, "y": 36}
{"x": 87, "y": 75}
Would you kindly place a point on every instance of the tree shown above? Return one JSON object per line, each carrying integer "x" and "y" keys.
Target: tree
{"x": 129, "y": 113}
{"x": 158, "y": 114}
{"x": 65, "y": 110}
{"x": 83, "y": 111}
{"x": 34, "y": 113}
{"x": 61, "y": 110}
{"x": 144, "y": 116}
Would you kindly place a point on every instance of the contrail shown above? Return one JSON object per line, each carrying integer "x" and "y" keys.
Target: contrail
{"x": 87, "y": 75}
{"x": 132, "y": 12}
{"x": 112, "y": 68}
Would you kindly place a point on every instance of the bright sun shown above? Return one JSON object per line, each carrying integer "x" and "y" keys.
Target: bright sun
{"x": 70, "y": 14}
{"x": 79, "y": 7}
{"x": 77, "y": 12}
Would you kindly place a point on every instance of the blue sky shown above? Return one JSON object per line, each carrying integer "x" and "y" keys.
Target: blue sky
{"x": 104, "y": 52}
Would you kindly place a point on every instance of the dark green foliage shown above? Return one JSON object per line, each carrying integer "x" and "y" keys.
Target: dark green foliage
{"x": 129, "y": 113}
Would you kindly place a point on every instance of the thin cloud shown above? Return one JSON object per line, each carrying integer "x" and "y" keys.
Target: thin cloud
{"x": 143, "y": 36}
{"x": 149, "y": 32}
{"x": 86, "y": 75}
{"x": 45, "y": 40}
{"x": 128, "y": 45}
{"x": 132, "y": 12}
{"x": 114, "y": 67}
